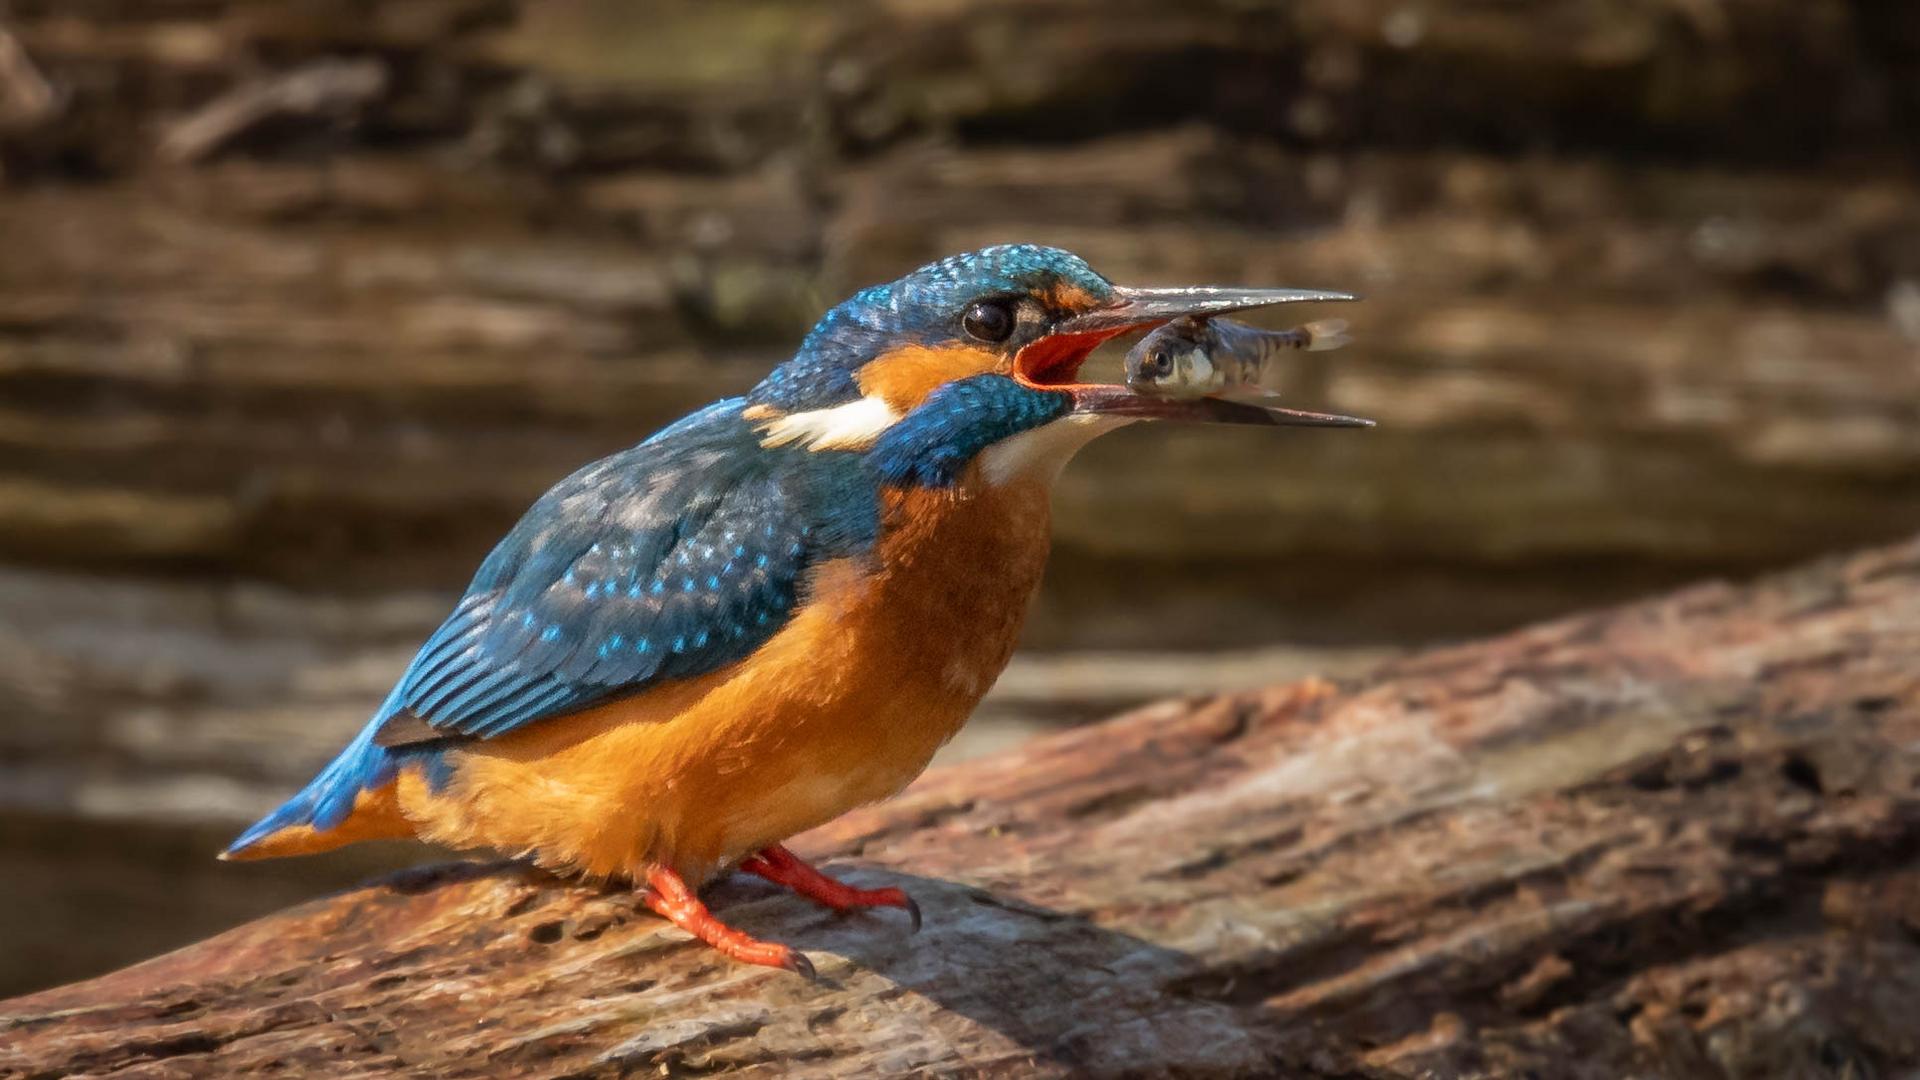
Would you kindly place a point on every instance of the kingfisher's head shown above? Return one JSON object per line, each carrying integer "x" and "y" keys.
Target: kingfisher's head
{"x": 975, "y": 357}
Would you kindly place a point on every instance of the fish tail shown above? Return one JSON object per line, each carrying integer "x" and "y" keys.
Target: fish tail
{"x": 1258, "y": 354}
{"x": 1324, "y": 334}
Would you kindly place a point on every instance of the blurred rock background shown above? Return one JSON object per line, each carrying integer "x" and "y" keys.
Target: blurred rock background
{"x": 302, "y": 302}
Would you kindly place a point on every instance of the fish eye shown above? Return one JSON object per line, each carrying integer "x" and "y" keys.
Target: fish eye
{"x": 989, "y": 320}
{"x": 1161, "y": 362}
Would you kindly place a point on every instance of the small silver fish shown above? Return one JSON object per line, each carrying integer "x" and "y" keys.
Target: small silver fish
{"x": 1192, "y": 358}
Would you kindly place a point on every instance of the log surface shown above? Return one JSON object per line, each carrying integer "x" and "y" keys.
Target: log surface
{"x": 302, "y": 304}
{"x": 1678, "y": 838}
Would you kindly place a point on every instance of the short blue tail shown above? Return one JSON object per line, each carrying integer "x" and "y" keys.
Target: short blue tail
{"x": 328, "y": 798}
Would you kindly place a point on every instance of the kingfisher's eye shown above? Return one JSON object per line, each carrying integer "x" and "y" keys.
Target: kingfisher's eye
{"x": 989, "y": 320}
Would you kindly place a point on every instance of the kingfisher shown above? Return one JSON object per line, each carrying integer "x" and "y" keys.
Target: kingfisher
{"x": 771, "y": 611}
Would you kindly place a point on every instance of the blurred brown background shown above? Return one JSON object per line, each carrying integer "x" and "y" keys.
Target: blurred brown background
{"x": 302, "y": 303}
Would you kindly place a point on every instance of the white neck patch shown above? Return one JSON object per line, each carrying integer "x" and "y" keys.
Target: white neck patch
{"x": 852, "y": 426}
{"x": 1039, "y": 454}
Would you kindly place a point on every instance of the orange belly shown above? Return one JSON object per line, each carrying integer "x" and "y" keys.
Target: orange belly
{"x": 881, "y": 664}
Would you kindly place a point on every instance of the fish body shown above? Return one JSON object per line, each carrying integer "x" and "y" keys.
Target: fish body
{"x": 1193, "y": 358}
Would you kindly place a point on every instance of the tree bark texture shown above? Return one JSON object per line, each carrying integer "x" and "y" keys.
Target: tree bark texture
{"x": 1677, "y": 838}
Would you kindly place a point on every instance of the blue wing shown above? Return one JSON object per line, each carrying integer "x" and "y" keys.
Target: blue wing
{"x": 668, "y": 560}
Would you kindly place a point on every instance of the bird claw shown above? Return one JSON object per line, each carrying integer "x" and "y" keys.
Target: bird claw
{"x": 670, "y": 897}
{"x": 798, "y": 963}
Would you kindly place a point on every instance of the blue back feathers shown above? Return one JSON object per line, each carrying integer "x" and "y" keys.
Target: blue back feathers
{"x": 668, "y": 560}
{"x": 687, "y": 552}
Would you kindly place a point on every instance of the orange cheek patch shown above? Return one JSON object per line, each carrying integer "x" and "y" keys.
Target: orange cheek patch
{"x": 903, "y": 377}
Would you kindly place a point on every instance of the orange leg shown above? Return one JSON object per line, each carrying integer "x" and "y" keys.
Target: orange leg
{"x": 670, "y": 897}
{"x": 783, "y": 867}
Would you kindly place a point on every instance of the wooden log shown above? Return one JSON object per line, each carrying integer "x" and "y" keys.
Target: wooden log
{"x": 1645, "y": 301}
{"x": 1678, "y": 838}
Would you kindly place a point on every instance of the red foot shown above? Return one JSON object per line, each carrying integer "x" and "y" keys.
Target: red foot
{"x": 669, "y": 896}
{"x": 783, "y": 867}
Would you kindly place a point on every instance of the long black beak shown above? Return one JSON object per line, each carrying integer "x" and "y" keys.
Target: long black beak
{"x": 1132, "y": 307}
{"x": 1120, "y": 401}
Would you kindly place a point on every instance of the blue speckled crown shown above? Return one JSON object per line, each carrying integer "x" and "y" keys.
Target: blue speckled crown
{"x": 923, "y": 306}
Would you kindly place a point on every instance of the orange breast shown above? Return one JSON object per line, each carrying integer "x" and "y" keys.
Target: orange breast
{"x": 881, "y": 664}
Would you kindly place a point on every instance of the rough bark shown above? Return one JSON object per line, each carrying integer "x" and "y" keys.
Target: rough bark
{"x": 1677, "y": 838}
